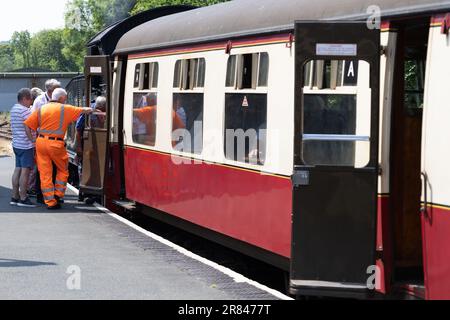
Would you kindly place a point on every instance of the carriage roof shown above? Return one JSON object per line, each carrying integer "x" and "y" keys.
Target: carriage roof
{"x": 252, "y": 17}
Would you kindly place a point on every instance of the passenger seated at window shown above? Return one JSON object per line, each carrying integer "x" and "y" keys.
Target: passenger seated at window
{"x": 188, "y": 123}
{"x": 144, "y": 121}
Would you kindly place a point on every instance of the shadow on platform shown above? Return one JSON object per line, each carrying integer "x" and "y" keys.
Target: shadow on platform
{"x": 72, "y": 205}
{"x": 9, "y": 263}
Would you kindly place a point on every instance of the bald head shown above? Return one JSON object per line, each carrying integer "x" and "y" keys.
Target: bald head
{"x": 59, "y": 95}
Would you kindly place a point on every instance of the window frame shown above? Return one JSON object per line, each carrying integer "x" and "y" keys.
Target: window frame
{"x": 189, "y": 75}
{"x": 239, "y": 74}
{"x": 311, "y": 89}
{"x": 193, "y": 88}
{"x": 153, "y": 65}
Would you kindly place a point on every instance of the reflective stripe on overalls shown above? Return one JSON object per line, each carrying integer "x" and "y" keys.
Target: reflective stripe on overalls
{"x": 50, "y": 154}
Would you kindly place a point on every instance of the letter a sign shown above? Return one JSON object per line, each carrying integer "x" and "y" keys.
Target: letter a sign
{"x": 351, "y": 73}
{"x": 245, "y": 102}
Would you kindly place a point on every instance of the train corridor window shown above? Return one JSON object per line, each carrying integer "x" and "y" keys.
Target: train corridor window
{"x": 188, "y": 103}
{"x": 248, "y": 71}
{"x": 336, "y": 121}
{"x": 145, "y": 105}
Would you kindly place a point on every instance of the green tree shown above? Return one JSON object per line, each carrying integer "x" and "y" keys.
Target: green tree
{"x": 7, "y": 59}
{"x": 21, "y": 45}
{"x": 47, "y": 51}
{"x": 142, "y": 5}
{"x": 84, "y": 19}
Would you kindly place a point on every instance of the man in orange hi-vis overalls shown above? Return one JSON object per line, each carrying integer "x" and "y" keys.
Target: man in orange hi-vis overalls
{"x": 51, "y": 122}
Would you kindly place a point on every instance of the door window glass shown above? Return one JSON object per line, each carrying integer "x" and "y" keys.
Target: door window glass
{"x": 97, "y": 120}
{"x": 336, "y": 115}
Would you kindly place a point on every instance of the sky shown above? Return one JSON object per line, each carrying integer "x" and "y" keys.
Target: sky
{"x": 31, "y": 15}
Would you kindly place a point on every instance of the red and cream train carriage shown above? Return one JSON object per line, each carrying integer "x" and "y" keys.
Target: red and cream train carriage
{"x": 347, "y": 178}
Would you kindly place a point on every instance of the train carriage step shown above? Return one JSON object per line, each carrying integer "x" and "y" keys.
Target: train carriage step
{"x": 126, "y": 204}
{"x": 410, "y": 290}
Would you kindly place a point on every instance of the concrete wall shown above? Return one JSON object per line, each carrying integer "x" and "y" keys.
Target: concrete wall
{"x": 11, "y": 83}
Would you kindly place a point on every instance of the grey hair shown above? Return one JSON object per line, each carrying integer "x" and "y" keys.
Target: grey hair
{"x": 58, "y": 93}
{"x": 23, "y": 94}
{"x": 36, "y": 92}
{"x": 100, "y": 101}
{"x": 52, "y": 84}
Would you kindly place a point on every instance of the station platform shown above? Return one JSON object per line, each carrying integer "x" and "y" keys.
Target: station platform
{"x": 87, "y": 253}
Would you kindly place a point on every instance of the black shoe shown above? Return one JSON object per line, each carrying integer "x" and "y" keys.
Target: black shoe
{"x": 60, "y": 201}
{"x": 57, "y": 207}
{"x": 40, "y": 200}
{"x": 32, "y": 193}
{"x": 26, "y": 203}
{"x": 14, "y": 202}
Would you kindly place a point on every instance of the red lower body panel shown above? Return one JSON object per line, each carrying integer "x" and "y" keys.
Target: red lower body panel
{"x": 436, "y": 235}
{"x": 242, "y": 204}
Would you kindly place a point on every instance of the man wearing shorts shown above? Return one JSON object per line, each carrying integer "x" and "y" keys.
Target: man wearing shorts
{"x": 23, "y": 146}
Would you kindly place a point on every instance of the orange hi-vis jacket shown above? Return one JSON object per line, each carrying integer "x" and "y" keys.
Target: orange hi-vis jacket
{"x": 51, "y": 123}
{"x": 53, "y": 119}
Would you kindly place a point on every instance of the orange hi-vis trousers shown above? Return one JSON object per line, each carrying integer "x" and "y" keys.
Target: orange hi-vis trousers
{"x": 49, "y": 152}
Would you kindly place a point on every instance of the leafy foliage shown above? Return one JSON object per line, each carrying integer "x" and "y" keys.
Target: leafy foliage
{"x": 142, "y": 5}
{"x": 64, "y": 49}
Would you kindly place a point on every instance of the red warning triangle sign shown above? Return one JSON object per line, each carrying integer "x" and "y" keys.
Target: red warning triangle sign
{"x": 245, "y": 102}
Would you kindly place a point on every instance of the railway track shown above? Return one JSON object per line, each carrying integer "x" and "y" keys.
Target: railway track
{"x": 6, "y": 133}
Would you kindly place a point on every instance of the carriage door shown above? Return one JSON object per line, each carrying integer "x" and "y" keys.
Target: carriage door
{"x": 336, "y": 158}
{"x": 95, "y": 135}
{"x": 435, "y": 213}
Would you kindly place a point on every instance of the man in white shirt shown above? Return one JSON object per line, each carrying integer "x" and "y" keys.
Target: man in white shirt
{"x": 23, "y": 145}
{"x": 43, "y": 99}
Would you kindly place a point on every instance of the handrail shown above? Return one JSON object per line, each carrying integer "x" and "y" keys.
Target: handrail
{"x": 334, "y": 137}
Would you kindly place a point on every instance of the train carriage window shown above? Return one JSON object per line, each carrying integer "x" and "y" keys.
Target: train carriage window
{"x": 155, "y": 76}
{"x": 189, "y": 74}
{"x": 188, "y": 103}
{"x": 337, "y": 113}
{"x": 137, "y": 76}
{"x": 187, "y": 122}
{"x": 177, "y": 75}
{"x": 145, "y": 106}
{"x": 248, "y": 71}
{"x": 148, "y": 76}
{"x": 246, "y": 113}
{"x": 245, "y": 128}
{"x": 201, "y": 73}
{"x": 144, "y": 81}
{"x": 231, "y": 72}
{"x": 263, "y": 69}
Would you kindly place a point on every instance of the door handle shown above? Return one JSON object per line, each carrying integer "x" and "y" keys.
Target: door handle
{"x": 424, "y": 209}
